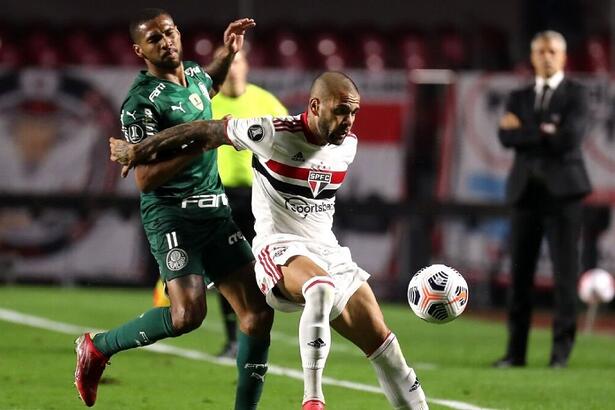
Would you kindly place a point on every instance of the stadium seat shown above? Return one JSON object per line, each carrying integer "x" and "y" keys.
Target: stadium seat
{"x": 256, "y": 50}
{"x": 597, "y": 54}
{"x": 329, "y": 51}
{"x": 199, "y": 46}
{"x": 42, "y": 49}
{"x": 48, "y": 57}
{"x": 81, "y": 49}
{"x": 118, "y": 47}
{"x": 452, "y": 50}
{"x": 10, "y": 54}
{"x": 373, "y": 51}
{"x": 289, "y": 52}
{"x": 412, "y": 50}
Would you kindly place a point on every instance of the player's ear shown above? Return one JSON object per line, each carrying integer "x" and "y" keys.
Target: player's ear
{"x": 314, "y": 106}
{"x": 138, "y": 51}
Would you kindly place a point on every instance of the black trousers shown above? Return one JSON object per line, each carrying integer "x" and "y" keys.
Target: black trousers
{"x": 536, "y": 215}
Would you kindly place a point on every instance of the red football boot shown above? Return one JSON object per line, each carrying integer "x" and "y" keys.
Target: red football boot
{"x": 313, "y": 405}
{"x": 90, "y": 366}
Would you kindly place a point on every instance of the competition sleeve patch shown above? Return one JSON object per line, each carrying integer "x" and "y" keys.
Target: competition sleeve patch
{"x": 138, "y": 122}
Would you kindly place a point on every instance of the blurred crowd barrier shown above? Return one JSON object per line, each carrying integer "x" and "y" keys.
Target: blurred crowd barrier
{"x": 67, "y": 217}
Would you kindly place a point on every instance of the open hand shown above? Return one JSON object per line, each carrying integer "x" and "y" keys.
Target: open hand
{"x": 233, "y": 35}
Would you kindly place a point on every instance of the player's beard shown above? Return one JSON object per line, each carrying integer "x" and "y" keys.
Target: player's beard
{"x": 169, "y": 63}
{"x": 331, "y": 135}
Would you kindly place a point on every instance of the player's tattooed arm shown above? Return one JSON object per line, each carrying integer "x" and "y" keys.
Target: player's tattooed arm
{"x": 207, "y": 134}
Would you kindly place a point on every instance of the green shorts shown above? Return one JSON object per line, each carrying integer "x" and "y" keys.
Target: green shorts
{"x": 212, "y": 248}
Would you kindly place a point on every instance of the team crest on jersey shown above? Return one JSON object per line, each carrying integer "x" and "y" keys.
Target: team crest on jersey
{"x": 196, "y": 101}
{"x": 177, "y": 259}
{"x": 318, "y": 180}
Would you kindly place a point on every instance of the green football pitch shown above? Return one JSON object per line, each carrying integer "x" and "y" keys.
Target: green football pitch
{"x": 39, "y": 324}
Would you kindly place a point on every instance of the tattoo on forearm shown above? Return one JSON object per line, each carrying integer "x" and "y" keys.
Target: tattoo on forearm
{"x": 207, "y": 134}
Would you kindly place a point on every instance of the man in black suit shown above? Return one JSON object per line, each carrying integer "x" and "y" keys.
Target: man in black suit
{"x": 544, "y": 124}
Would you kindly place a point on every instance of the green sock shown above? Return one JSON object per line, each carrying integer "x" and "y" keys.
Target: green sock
{"x": 251, "y": 365}
{"x": 153, "y": 325}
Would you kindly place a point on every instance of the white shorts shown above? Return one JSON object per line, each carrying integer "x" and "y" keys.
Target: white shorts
{"x": 336, "y": 260}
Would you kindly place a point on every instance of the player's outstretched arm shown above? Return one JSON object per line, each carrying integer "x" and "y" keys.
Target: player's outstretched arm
{"x": 207, "y": 134}
{"x": 233, "y": 42}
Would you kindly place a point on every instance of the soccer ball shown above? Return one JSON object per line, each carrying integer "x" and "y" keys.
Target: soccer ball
{"x": 437, "y": 294}
{"x": 596, "y": 286}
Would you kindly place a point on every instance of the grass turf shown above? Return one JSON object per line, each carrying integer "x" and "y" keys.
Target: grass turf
{"x": 36, "y": 365}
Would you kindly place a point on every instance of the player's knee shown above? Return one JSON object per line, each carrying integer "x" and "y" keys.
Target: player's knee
{"x": 187, "y": 317}
{"x": 257, "y": 323}
{"x": 319, "y": 294}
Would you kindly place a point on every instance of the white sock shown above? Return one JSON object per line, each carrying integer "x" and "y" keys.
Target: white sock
{"x": 398, "y": 381}
{"x": 315, "y": 334}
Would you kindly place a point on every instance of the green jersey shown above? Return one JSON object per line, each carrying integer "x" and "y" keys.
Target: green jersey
{"x": 154, "y": 104}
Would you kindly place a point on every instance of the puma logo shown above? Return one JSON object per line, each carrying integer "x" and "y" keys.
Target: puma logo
{"x": 132, "y": 114}
{"x": 178, "y": 107}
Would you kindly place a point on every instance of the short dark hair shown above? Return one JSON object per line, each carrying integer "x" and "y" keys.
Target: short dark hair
{"x": 143, "y": 16}
{"x": 327, "y": 78}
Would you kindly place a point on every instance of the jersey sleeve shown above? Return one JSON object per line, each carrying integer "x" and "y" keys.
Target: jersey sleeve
{"x": 139, "y": 120}
{"x": 254, "y": 134}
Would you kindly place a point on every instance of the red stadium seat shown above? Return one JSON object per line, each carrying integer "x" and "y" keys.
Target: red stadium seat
{"x": 118, "y": 47}
{"x": 413, "y": 51}
{"x": 597, "y": 54}
{"x": 200, "y": 46}
{"x": 10, "y": 55}
{"x": 82, "y": 50}
{"x": 452, "y": 50}
{"x": 48, "y": 57}
{"x": 329, "y": 51}
{"x": 41, "y": 48}
{"x": 289, "y": 51}
{"x": 256, "y": 52}
{"x": 373, "y": 51}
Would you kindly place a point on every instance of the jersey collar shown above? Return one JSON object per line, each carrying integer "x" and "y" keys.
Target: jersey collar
{"x": 311, "y": 138}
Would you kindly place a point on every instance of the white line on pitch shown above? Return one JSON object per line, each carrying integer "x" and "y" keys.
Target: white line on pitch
{"x": 60, "y": 327}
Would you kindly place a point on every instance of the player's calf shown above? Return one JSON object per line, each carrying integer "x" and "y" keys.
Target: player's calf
{"x": 398, "y": 381}
{"x": 315, "y": 334}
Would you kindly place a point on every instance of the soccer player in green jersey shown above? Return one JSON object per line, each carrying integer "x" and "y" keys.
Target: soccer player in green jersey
{"x": 185, "y": 213}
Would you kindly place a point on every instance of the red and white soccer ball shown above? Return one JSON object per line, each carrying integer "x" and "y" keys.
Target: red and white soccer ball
{"x": 596, "y": 286}
{"x": 438, "y": 294}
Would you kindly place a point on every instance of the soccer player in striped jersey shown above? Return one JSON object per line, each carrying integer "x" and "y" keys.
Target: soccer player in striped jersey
{"x": 300, "y": 162}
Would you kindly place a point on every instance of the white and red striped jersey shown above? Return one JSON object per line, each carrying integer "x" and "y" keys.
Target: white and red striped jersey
{"x": 295, "y": 180}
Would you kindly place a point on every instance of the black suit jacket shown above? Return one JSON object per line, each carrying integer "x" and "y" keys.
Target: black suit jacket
{"x": 556, "y": 159}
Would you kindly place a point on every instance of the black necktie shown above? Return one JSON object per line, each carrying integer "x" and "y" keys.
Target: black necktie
{"x": 543, "y": 102}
